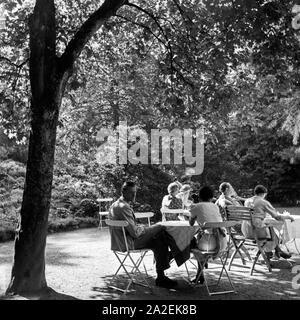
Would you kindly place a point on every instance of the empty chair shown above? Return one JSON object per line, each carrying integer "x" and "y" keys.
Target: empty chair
{"x": 179, "y": 214}
{"x": 144, "y": 215}
{"x": 103, "y": 211}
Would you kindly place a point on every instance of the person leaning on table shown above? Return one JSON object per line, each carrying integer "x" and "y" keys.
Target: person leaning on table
{"x": 138, "y": 236}
{"x": 262, "y": 206}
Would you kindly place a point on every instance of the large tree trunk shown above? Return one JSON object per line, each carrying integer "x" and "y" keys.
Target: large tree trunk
{"x": 48, "y": 77}
{"x": 28, "y": 273}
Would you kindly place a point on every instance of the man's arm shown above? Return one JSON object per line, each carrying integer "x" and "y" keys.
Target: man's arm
{"x": 272, "y": 211}
{"x": 193, "y": 217}
{"x": 134, "y": 230}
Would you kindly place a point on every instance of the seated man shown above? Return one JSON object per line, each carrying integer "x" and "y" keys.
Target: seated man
{"x": 140, "y": 237}
{"x": 262, "y": 206}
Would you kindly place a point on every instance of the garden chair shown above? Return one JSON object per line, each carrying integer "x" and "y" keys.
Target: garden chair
{"x": 181, "y": 213}
{"x": 237, "y": 239}
{"x": 144, "y": 215}
{"x": 103, "y": 204}
{"x": 240, "y": 214}
{"x": 203, "y": 256}
{"x": 130, "y": 260}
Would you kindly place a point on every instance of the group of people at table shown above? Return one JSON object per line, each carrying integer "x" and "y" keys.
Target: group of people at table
{"x": 203, "y": 208}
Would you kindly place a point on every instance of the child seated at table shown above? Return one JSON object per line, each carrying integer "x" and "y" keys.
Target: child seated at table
{"x": 184, "y": 195}
{"x": 171, "y": 201}
{"x": 206, "y": 211}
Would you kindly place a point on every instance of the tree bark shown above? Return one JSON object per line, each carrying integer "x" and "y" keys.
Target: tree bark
{"x": 48, "y": 77}
{"x": 28, "y": 273}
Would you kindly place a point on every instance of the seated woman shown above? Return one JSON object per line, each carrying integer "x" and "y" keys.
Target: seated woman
{"x": 262, "y": 206}
{"x": 171, "y": 201}
{"x": 228, "y": 196}
{"x": 206, "y": 211}
{"x": 184, "y": 194}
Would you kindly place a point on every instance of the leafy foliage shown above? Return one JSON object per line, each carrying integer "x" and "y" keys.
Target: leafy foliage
{"x": 230, "y": 66}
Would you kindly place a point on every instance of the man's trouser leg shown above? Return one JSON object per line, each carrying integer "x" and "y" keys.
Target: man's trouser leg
{"x": 155, "y": 238}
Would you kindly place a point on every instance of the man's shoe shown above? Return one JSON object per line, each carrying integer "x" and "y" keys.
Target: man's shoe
{"x": 269, "y": 255}
{"x": 281, "y": 254}
{"x": 165, "y": 282}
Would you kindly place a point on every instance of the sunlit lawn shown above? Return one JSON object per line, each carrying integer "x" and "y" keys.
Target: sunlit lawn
{"x": 291, "y": 210}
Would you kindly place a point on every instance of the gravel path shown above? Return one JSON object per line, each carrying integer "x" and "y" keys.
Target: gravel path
{"x": 80, "y": 264}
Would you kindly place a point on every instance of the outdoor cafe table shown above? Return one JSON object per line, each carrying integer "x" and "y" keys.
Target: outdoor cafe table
{"x": 291, "y": 235}
{"x": 182, "y": 233}
{"x": 289, "y": 231}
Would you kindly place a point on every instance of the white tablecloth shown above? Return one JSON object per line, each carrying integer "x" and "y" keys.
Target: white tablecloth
{"x": 181, "y": 231}
{"x": 291, "y": 230}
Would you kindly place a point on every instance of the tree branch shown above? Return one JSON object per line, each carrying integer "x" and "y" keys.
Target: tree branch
{"x": 168, "y": 43}
{"x": 86, "y": 31}
{"x": 151, "y": 15}
{"x": 183, "y": 14}
{"x": 145, "y": 27}
{"x": 19, "y": 66}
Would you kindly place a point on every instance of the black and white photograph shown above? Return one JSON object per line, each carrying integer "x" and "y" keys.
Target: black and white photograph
{"x": 149, "y": 153}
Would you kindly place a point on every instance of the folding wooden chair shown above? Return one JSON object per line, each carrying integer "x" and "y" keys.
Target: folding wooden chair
{"x": 103, "y": 203}
{"x": 144, "y": 215}
{"x": 240, "y": 214}
{"x": 202, "y": 257}
{"x": 130, "y": 260}
{"x": 237, "y": 239}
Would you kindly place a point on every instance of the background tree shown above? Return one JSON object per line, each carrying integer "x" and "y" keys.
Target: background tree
{"x": 230, "y": 66}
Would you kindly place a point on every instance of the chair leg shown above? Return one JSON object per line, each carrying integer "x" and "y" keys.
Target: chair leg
{"x": 131, "y": 274}
{"x": 232, "y": 258}
{"x": 137, "y": 270}
{"x": 237, "y": 250}
{"x": 254, "y": 262}
{"x": 240, "y": 245}
{"x": 246, "y": 252}
{"x": 267, "y": 261}
{"x": 100, "y": 223}
{"x": 212, "y": 293}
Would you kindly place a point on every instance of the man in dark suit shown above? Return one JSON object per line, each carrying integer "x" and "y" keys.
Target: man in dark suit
{"x": 138, "y": 236}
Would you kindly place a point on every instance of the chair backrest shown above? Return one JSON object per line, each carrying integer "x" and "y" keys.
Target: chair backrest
{"x": 238, "y": 213}
{"x": 141, "y": 215}
{"x": 119, "y": 224}
{"x": 241, "y": 213}
{"x": 174, "y": 211}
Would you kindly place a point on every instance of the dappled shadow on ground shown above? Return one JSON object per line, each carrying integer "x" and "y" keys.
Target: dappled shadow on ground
{"x": 137, "y": 292}
{"x": 263, "y": 285}
{"x": 48, "y": 294}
